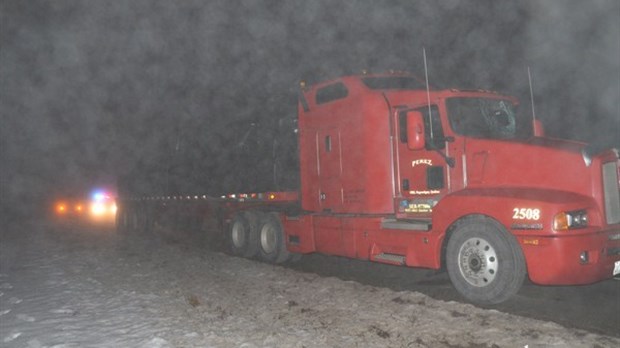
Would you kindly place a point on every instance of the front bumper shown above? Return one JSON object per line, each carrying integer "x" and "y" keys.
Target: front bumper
{"x": 583, "y": 258}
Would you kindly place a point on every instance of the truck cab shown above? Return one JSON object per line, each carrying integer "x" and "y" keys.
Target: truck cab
{"x": 394, "y": 172}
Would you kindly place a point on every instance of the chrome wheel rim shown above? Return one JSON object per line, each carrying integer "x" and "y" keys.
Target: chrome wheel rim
{"x": 478, "y": 262}
{"x": 268, "y": 239}
{"x": 238, "y": 235}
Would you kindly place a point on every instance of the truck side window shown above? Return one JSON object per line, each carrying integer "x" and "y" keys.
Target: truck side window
{"x": 435, "y": 139}
{"x": 331, "y": 92}
{"x": 402, "y": 127}
{"x": 435, "y": 142}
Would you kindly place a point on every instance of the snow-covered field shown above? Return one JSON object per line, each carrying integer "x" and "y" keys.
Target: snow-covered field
{"x": 89, "y": 288}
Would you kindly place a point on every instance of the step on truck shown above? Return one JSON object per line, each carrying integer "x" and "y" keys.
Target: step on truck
{"x": 393, "y": 172}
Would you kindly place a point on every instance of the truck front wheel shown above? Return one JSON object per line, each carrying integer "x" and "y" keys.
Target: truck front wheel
{"x": 484, "y": 261}
{"x": 272, "y": 243}
{"x": 243, "y": 235}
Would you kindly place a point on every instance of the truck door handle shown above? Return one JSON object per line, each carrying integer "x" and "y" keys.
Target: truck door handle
{"x": 322, "y": 196}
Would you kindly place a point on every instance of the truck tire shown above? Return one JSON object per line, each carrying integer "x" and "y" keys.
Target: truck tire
{"x": 243, "y": 235}
{"x": 147, "y": 220}
{"x": 121, "y": 220}
{"x": 128, "y": 220}
{"x": 484, "y": 261}
{"x": 295, "y": 257}
{"x": 134, "y": 221}
{"x": 272, "y": 242}
{"x": 139, "y": 223}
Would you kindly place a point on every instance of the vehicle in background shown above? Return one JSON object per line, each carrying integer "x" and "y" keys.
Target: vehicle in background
{"x": 99, "y": 207}
{"x": 70, "y": 208}
{"x": 102, "y": 207}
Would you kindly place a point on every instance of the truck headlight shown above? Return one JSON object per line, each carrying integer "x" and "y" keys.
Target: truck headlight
{"x": 570, "y": 220}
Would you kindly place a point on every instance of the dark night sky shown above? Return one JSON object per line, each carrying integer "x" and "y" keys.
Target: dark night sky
{"x": 89, "y": 89}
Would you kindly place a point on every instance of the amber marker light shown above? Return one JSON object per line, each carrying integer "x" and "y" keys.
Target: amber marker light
{"x": 61, "y": 208}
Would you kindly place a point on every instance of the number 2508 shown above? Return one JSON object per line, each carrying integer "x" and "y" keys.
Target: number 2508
{"x": 526, "y": 214}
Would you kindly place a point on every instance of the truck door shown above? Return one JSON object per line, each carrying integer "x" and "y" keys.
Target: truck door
{"x": 329, "y": 164}
{"x": 422, "y": 175}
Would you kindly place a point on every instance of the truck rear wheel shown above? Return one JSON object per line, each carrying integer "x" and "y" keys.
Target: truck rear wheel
{"x": 484, "y": 261}
{"x": 243, "y": 235}
{"x": 272, "y": 243}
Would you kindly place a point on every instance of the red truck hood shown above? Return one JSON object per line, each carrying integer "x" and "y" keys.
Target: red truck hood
{"x": 538, "y": 162}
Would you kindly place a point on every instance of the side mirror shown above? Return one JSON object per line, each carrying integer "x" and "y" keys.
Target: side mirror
{"x": 415, "y": 130}
{"x": 539, "y": 129}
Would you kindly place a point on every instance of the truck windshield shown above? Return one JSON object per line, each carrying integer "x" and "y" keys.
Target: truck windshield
{"x": 487, "y": 118}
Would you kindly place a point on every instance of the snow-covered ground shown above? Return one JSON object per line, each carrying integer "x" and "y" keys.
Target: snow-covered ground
{"x": 92, "y": 288}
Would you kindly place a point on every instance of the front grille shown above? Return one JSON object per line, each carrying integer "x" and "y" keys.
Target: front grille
{"x": 611, "y": 192}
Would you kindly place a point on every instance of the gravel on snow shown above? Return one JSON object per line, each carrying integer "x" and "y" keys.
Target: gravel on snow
{"x": 132, "y": 291}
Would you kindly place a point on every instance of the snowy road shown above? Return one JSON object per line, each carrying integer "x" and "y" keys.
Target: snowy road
{"x": 594, "y": 307}
{"x": 87, "y": 287}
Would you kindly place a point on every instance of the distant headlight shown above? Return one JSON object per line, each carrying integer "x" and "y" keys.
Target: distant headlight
{"x": 570, "y": 220}
{"x": 97, "y": 209}
{"x": 101, "y": 208}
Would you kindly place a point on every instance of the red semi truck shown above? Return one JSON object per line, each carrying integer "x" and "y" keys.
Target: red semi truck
{"x": 392, "y": 172}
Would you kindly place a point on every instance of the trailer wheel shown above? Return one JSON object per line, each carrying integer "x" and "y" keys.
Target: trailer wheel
{"x": 121, "y": 223}
{"x": 140, "y": 225}
{"x": 128, "y": 220}
{"x": 272, "y": 246}
{"x": 134, "y": 221}
{"x": 484, "y": 261}
{"x": 243, "y": 235}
